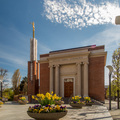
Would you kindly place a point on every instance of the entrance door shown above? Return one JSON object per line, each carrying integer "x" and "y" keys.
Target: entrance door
{"x": 68, "y": 87}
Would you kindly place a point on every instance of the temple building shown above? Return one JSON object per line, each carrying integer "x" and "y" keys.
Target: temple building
{"x": 68, "y": 72}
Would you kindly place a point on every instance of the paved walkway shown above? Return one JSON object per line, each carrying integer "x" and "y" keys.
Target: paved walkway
{"x": 10, "y": 111}
{"x": 115, "y": 113}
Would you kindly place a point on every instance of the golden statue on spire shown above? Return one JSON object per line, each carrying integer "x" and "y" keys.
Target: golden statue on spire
{"x": 33, "y": 29}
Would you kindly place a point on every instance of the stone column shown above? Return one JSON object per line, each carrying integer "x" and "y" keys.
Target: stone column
{"x": 57, "y": 80}
{"x": 78, "y": 92}
{"x": 85, "y": 85}
{"x": 51, "y": 79}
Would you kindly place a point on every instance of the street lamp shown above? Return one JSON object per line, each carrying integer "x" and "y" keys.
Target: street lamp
{"x": 117, "y": 20}
{"x": 110, "y": 73}
{"x": 1, "y": 79}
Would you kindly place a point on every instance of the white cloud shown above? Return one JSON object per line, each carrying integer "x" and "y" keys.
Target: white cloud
{"x": 111, "y": 39}
{"x": 82, "y": 13}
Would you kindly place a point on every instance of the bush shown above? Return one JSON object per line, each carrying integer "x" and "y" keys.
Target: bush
{"x": 8, "y": 93}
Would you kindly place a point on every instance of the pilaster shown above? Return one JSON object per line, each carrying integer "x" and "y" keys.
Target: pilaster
{"x": 57, "y": 80}
{"x": 85, "y": 85}
{"x": 78, "y": 84}
{"x": 51, "y": 78}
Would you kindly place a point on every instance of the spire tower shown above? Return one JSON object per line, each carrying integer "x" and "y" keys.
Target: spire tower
{"x": 33, "y": 68}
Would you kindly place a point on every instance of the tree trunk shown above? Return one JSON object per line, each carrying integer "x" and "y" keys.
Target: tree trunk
{"x": 1, "y": 89}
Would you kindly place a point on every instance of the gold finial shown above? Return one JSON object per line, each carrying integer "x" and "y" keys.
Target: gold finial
{"x": 33, "y": 29}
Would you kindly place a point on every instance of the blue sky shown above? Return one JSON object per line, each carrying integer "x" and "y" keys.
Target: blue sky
{"x": 59, "y": 24}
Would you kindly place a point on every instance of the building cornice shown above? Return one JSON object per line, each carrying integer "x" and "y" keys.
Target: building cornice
{"x": 99, "y": 54}
{"x": 71, "y": 54}
{"x": 43, "y": 60}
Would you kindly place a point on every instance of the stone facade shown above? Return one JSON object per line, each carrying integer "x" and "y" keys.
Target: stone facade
{"x": 81, "y": 70}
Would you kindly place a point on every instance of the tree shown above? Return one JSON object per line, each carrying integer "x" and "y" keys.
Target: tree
{"x": 23, "y": 82}
{"x": 16, "y": 81}
{"x": 3, "y": 72}
{"x": 113, "y": 90}
{"x": 116, "y": 70}
{"x": 8, "y": 93}
{"x": 25, "y": 88}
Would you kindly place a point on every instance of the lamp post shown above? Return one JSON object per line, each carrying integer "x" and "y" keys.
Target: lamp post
{"x": 1, "y": 79}
{"x": 110, "y": 73}
{"x": 117, "y": 22}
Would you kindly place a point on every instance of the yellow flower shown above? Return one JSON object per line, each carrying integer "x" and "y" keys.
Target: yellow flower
{"x": 1, "y": 103}
{"x": 72, "y": 97}
{"x": 36, "y": 99}
{"x": 52, "y": 92}
{"x": 49, "y": 98}
{"x": 38, "y": 95}
{"x": 41, "y": 110}
{"x": 53, "y": 97}
{"x": 57, "y": 107}
{"x": 35, "y": 110}
{"x": 33, "y": 97}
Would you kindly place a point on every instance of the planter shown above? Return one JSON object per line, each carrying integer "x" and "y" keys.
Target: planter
{"x": 89, "y": 104}
{"x": 47, "y": 116}
{"x": 22, "y": 102}
{"x": 76, "y": 105}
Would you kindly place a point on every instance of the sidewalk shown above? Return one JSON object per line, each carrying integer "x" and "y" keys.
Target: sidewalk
{"x": 14, "y": 111}
{"x": 94, "y": 112}
{"x": 115, "y": 113}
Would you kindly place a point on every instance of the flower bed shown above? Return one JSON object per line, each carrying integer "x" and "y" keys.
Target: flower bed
{"x": 1, "y": 103}
{"x": 58, "y": 100}
{"x": 46, "y": 108}
{"x": 22, "y": 100}
{"x": 76, "y": 102}
{"x": 88, "y": 101}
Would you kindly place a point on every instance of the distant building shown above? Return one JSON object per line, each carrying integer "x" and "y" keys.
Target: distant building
{"x": 69, "y": 72}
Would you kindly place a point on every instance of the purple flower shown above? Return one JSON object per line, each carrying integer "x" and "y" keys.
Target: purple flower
{"x": 74, "y": 102}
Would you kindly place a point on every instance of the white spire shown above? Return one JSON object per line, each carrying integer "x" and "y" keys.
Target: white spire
{"x": 33, "y": 49}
